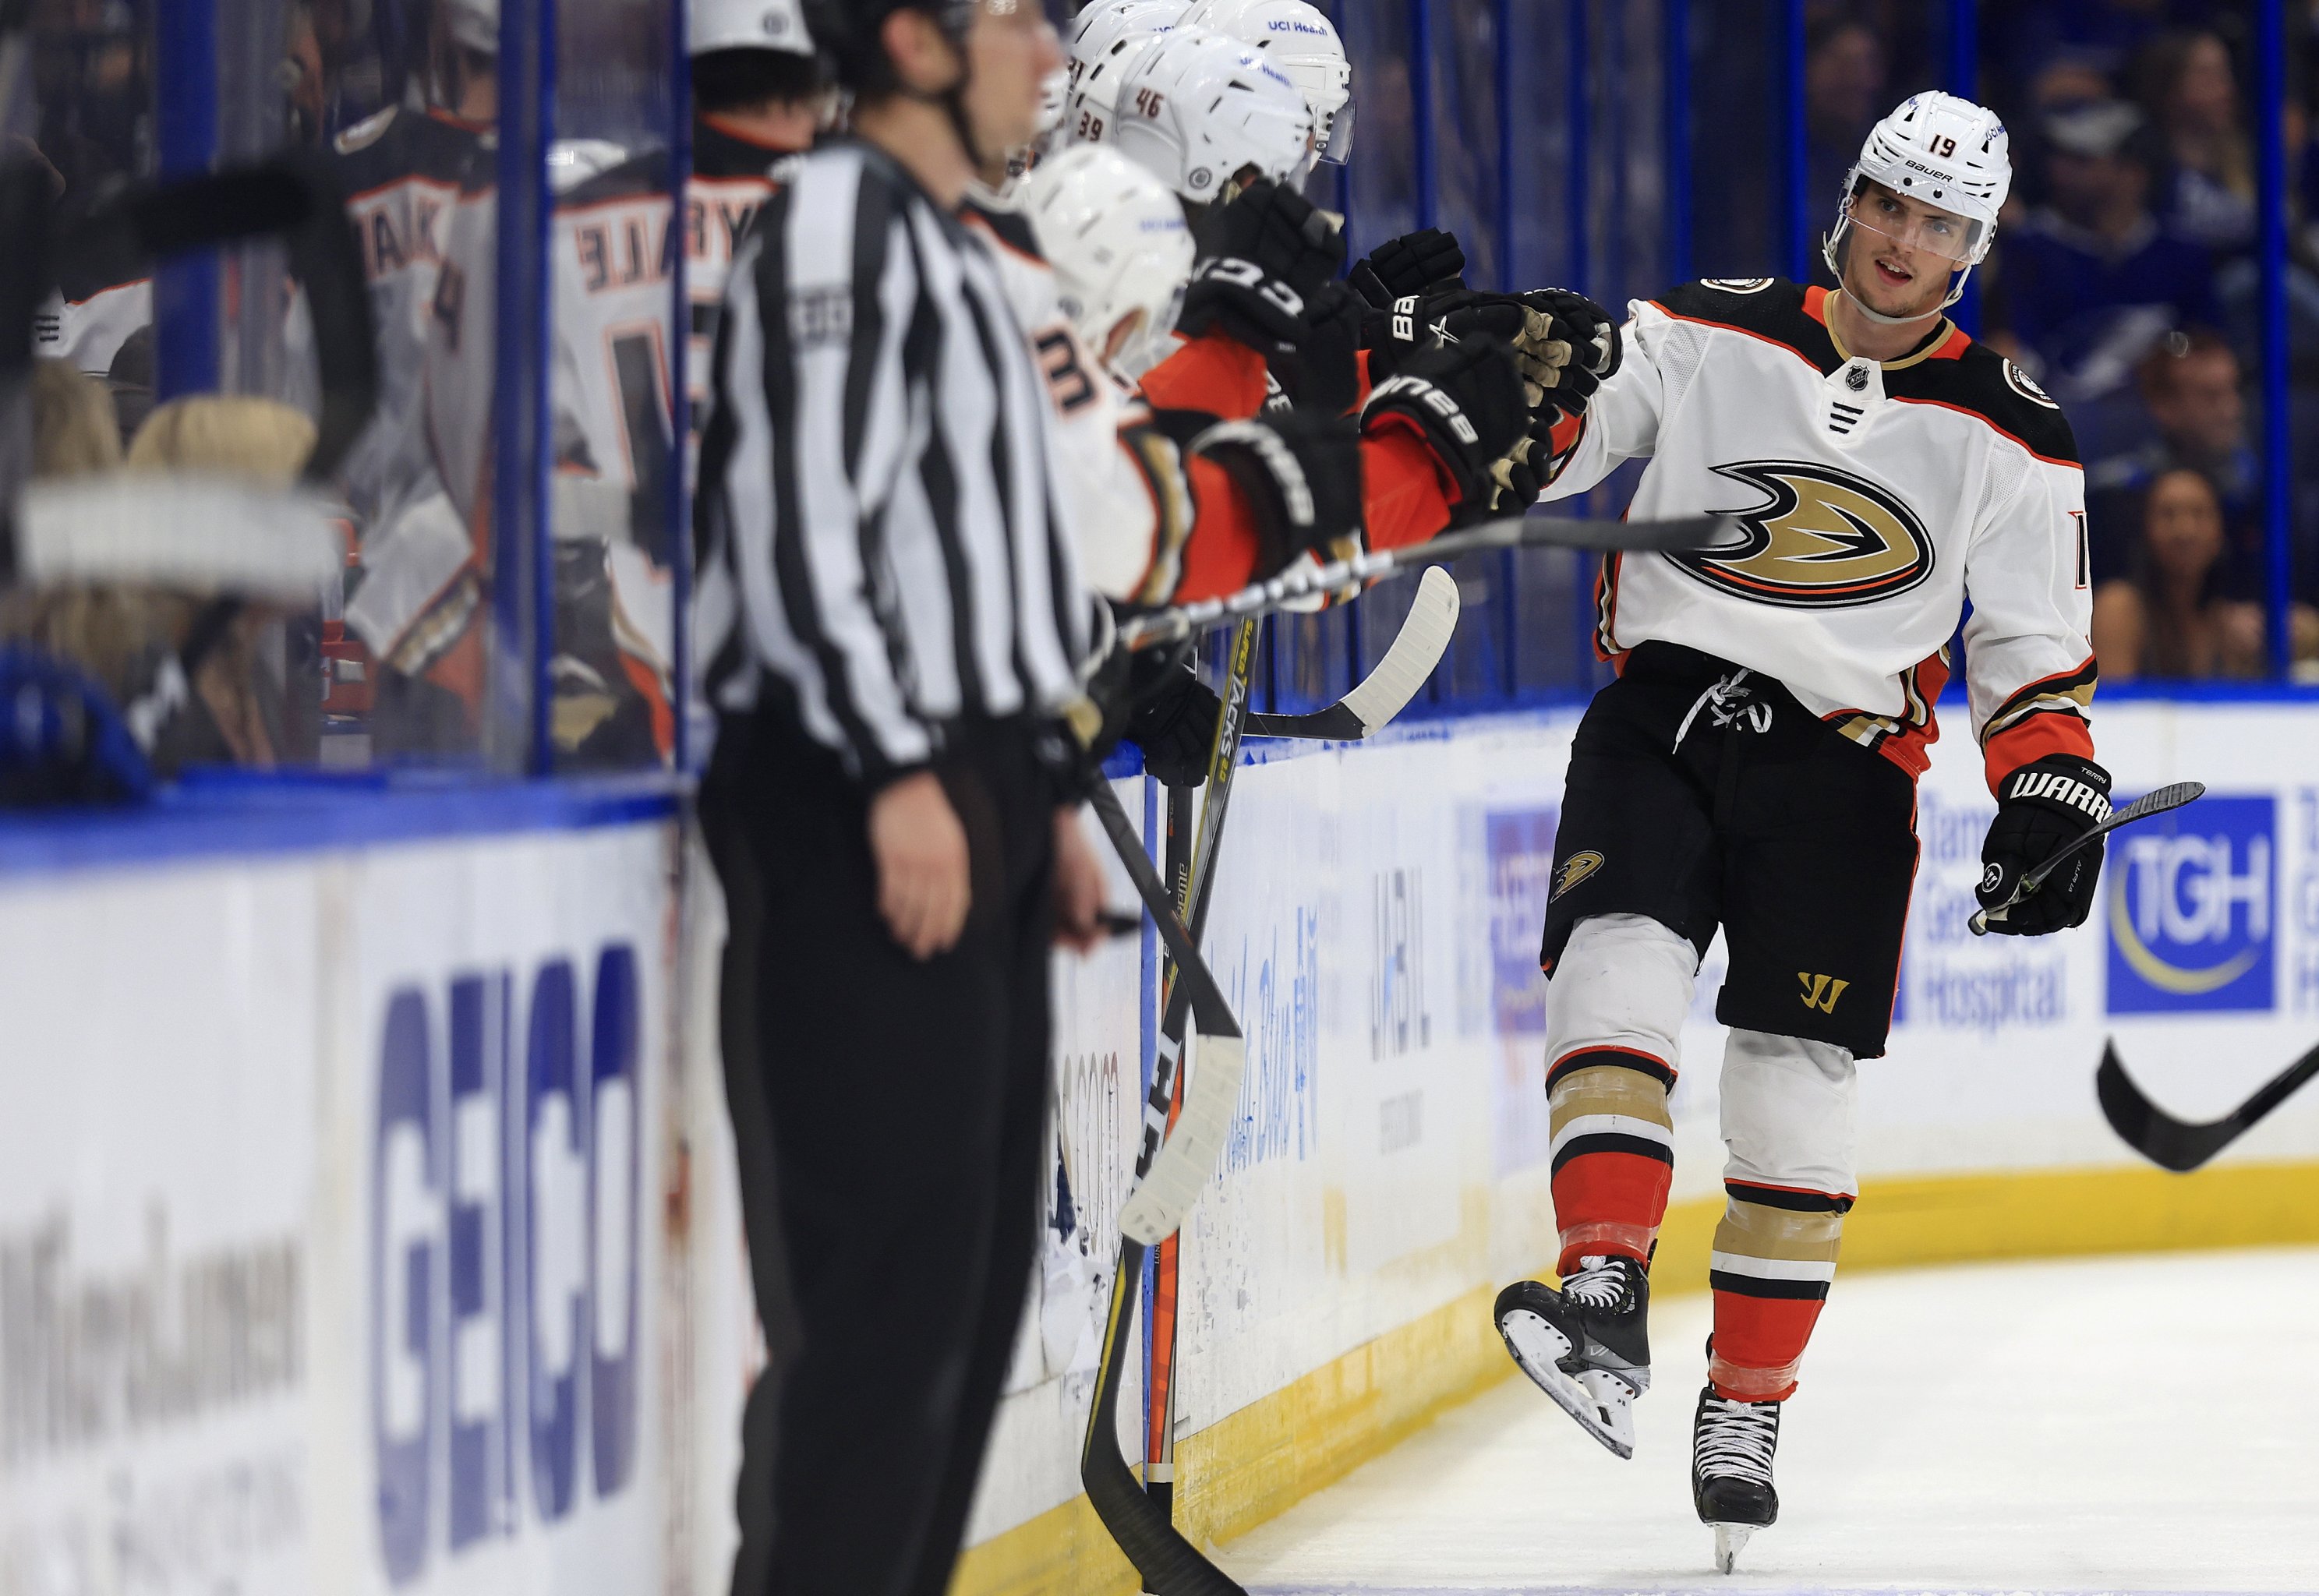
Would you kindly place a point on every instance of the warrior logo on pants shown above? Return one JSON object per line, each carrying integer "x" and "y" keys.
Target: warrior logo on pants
{"x": 1824, "y": 539}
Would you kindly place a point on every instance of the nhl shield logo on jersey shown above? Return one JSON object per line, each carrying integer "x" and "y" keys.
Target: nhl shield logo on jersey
{"x": 1824, "y": 539}
{"x": 1738, "y": 285}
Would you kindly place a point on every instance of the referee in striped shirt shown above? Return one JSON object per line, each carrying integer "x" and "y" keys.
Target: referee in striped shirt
{"x": 890, "y": 612}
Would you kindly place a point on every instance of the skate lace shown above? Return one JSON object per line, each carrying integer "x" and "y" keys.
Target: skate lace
{"x": 1600, "y": 1283}
{"x": 1735, "y": 1440}
{"x": 1725, "y": 701}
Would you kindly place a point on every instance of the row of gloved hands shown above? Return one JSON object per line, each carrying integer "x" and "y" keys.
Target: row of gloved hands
{"x": 1481, "y": 378}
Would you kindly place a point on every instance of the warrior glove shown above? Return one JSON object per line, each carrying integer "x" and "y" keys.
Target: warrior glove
{"x": 1301, "y": 476}
{"x": 1263, "y": 257}
{"x": 1466, "y": 401}
{"x": 1428, "y": 261}
{"x": 2043, "y": 807}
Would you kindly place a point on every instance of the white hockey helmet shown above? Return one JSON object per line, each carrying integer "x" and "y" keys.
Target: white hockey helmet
{"x": 1297, "y": 38}
{"x": 473, "y": 25}
{"x": 747, "y": 24}
{"x": 1942, "y": 151}
{"x": 1105, "y": 41}
{"x": 1115, "y": 236}
{"x": 1197, "y": 109}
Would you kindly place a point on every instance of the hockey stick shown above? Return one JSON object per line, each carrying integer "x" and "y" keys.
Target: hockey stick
{"x": 2141, "y": 808}
{"x": 1386, "y": 691}
{"x": 2181, "y": 1145}
{"x": 1306, "y": 580}
{"x": 1136, "y": 1521}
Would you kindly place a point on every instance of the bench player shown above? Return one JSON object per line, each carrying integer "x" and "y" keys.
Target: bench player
{"x": 1753, "y": 765}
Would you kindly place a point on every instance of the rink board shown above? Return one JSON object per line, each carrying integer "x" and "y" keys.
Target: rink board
{"x": 331, "y": 1250}
{"x": 1377, "y": 927}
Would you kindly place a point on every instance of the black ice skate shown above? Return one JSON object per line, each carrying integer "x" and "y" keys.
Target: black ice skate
{"x": 1586, "y": 1346}
{"x": 1731, "y": 1447}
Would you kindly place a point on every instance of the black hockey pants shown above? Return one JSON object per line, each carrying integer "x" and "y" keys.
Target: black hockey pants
{"x": 888, "y": 1115}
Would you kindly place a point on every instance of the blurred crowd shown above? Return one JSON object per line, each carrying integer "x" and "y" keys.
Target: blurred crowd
{"x": 2124, "y": 280}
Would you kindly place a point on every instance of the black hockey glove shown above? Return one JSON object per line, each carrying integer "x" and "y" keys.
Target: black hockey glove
{"x": 2044, "y": 805}
{"x": 1427, "y": 261}
{"x": 1324, "y": 373}
{"x": 1263, "y": 256}
{"x": 1300, "y": 474}
{"x": 1466, "y": 401}
{"x": 1174, "y": 717}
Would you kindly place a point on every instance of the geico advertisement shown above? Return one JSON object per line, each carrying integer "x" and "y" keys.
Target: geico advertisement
{"x": 328, "y": 1258}
{"x": 506, "y": 1260}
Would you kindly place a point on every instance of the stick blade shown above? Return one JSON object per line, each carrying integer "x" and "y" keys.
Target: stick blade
{"x": 2160, "y": 800}
{"x": 2166, "y": 1142}
{"x": 1156, "y": 1208}
{"x": 1417, "y": 649}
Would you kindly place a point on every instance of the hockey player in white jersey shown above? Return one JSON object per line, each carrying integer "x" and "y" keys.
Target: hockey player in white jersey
{"x": 402, "y": 170}
{"x": 1753, "y": 767}
{"x": 1105, "y": 40}
{"x": 1296, "y": 40}
{"x": 758, "y": 98}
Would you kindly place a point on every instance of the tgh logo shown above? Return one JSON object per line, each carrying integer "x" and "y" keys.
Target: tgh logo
{"x": 2190, "y": 910}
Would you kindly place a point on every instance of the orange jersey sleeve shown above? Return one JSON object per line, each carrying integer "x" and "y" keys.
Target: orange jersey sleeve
{"x": 1404, "y": 498}
{"x": 1209, "y": 373}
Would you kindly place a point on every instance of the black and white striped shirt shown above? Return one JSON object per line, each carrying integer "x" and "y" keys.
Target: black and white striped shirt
{"x": 882, "y": 550}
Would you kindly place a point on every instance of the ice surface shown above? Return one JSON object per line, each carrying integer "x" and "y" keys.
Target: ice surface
{"x": 2144, "y": 1424}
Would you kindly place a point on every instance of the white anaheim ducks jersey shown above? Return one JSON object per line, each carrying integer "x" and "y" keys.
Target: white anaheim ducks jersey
{"x": 612, "y": 256}
{"x": 400, "y": 170}
{"x": 1876, "y": 500}
{"x": 1129, "y": 503}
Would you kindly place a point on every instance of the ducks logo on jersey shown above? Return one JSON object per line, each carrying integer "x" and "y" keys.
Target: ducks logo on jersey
{"x": 1823, "y": 539}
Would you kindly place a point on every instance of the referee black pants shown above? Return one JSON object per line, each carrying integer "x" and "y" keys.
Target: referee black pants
{"x": 888, "y": 1116}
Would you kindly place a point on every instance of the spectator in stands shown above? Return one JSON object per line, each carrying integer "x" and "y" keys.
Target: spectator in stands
{"x": 1845, "y": 72}
{"x": 73, "y": 430}
{"x": 2187, "y": 82}
{"x": 2091, "y": 279}
{"x": 2169, "y": 616}
{"x": 240, "y": 708}
{"x": 2194, "y": 409}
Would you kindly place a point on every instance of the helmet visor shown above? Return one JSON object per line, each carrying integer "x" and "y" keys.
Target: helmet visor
{"x": 1335, "y": 135}
{"x": 1913, "y": 226}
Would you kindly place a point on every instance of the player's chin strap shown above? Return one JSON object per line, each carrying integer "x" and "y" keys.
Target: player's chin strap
{"x": 952, "y": 97}
{"x": 1827, "y": 254}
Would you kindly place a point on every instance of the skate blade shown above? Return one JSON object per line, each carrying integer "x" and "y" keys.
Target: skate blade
{"x": 1729, "y": 1539}
{"x": 1602, "y": 1403}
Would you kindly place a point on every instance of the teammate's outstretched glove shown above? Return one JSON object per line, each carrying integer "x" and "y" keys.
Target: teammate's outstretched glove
{"x": 1427, "y": 261}
{"x": 1300, "y": 474}
{"x": 1174, "y": 717}
{"x": 2044, "y": 804}
{"x": 1263, "y": 256}
{"x": 1590, "y": 331}
{"x": 1325, "y": 372}
{"x": 1464, "y": 400}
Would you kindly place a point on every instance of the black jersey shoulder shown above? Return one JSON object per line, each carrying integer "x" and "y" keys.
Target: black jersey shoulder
{"x": 1768, "y": 308}
{"x": 397, "y": 145}
{"x": 1010, "y": 228}
{"x": 717, "y": 154}
{"x": 1985, "y": 383}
